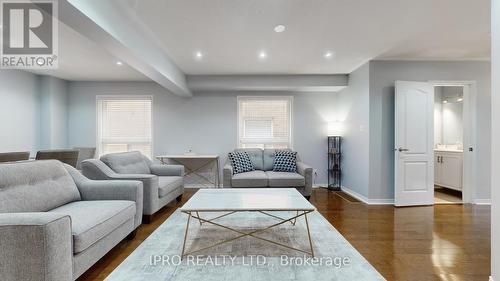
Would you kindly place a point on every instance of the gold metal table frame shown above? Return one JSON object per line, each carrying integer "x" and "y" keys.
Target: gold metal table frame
{"x": 292, "y": 220}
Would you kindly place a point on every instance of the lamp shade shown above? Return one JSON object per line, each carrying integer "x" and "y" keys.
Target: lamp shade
{"x": 335, "y": 128}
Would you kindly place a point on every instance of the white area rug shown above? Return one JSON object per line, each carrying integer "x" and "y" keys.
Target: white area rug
{"x": 157, "y": 258}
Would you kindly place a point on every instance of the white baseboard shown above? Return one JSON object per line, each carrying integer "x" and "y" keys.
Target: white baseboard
{"x": 366, "y": 200}
{"x": 482, "y": 201}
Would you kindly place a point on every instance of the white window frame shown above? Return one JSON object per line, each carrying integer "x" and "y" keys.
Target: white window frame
{"x": 122, "y": 97}
{"x": 260, "y": 98}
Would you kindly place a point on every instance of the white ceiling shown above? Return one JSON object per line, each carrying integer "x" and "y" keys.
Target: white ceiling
{"x": 81, "y": 59}
{"x": 230, "y": 33}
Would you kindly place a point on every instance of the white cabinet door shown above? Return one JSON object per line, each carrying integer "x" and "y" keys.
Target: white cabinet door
{"x": 451, "y": 171}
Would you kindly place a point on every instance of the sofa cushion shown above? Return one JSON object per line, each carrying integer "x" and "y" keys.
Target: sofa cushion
{"x": 285, "y": 161}
{"x": 93, "y": 220}
{"x": 255, "y": 156}
{"x": 269, "y": 155}
{"x": 250, "y": 179}
{"x": 285, "y": 179}
{"x": 35, "y": 186}
{"x": 168, "y": 184}
{"x": 127, "y": 163}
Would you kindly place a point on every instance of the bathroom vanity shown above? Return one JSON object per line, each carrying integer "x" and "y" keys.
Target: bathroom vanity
{"x": 448, "y": 168}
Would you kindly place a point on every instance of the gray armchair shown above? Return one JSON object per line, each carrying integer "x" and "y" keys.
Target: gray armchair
{"x": 84, "y": 154}
{"x": 162, "y": 183}
{"x": 55, "y": 223}
{"x": 264, "y": 176}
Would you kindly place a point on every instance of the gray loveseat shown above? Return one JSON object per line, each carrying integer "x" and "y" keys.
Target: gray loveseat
{"x": 162, "y": 183}
{"x": 55, "y": 223}
{"x": 264, "y": 176}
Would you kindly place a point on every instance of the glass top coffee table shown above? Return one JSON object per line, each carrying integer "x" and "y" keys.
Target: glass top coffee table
{"x": 263, "y": 200}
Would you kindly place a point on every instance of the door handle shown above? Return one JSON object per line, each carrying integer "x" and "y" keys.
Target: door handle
{"x": 403, "y": 149}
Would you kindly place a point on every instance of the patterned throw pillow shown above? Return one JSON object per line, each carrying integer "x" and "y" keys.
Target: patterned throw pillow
{"x": 240, "y": 160}
{"x": 285, "y": 161}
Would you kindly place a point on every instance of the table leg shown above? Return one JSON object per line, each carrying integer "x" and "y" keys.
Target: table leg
{"x": 185, "y": 235}
{"x": 309, "y": 235}
{"x": 295, "y": 220}
{"x": 218, "y": 173}
{"x": 194, "y": 171}
{"x": 198, "y": 215}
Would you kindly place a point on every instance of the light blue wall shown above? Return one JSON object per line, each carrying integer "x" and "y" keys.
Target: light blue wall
{"x": 205, "y": 123}
{"x": 53, "y": 115}
{"x": 353, "y": 112}
{"x": 32, "y": 112}
{"x": 367, "y": 109}
{"x": 19, "y": 111}
{"x": 383, "y": 74}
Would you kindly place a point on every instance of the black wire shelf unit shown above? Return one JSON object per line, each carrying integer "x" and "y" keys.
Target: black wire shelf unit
{"x": 334, "y": 163}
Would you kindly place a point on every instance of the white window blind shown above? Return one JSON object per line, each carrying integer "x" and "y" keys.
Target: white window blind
{"x": 124, "y": 124}
{"x": 264, "y": 122}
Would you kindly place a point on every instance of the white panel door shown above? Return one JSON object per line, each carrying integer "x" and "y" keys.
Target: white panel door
{"x": 414, "y": 137}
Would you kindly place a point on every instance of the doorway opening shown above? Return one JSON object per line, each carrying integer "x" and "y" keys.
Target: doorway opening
{"x": 453, "y": 143}
{"x": 415, "y": 161}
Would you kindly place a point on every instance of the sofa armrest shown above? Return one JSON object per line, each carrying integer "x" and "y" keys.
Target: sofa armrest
{"x": 131, "y": 190}
{"x": 167, "y": 170}
{"x": 307, "y": 172}
{"x": 96, "y": 169}
{"x": 36, "y": 246}
{"x": 115, "y": 190}
{"x": 227, "y": 175}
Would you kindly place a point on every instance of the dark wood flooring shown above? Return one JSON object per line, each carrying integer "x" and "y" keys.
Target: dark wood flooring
{"x": 444, "y": 242}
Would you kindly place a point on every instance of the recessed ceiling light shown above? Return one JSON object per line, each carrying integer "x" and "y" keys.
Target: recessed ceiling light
{"x": 445, "y": 101}
{"x": 262, "y": 55}
{"x": 198, "y": 55}
{"x": 329, "y": 55}
{"x": 279, "y": 28}
{"x": 460, "y": 99}
{"x": 119, "y": 63}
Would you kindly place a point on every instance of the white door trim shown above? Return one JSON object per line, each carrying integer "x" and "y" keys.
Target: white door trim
{"x": 469, "y": 138}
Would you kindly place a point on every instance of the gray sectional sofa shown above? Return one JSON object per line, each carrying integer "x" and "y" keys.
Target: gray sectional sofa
{"x": 55, "y": 223}
{"x": 162, "y": 183}
{"x": 264, "y": 176}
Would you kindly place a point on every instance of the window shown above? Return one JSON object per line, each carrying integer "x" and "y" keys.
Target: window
{"x": 264, "y": 122}
{"x": 124, "y": 124}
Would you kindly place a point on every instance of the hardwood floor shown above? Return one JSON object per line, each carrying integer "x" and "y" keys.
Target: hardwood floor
{"x": 444, "y": 242}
